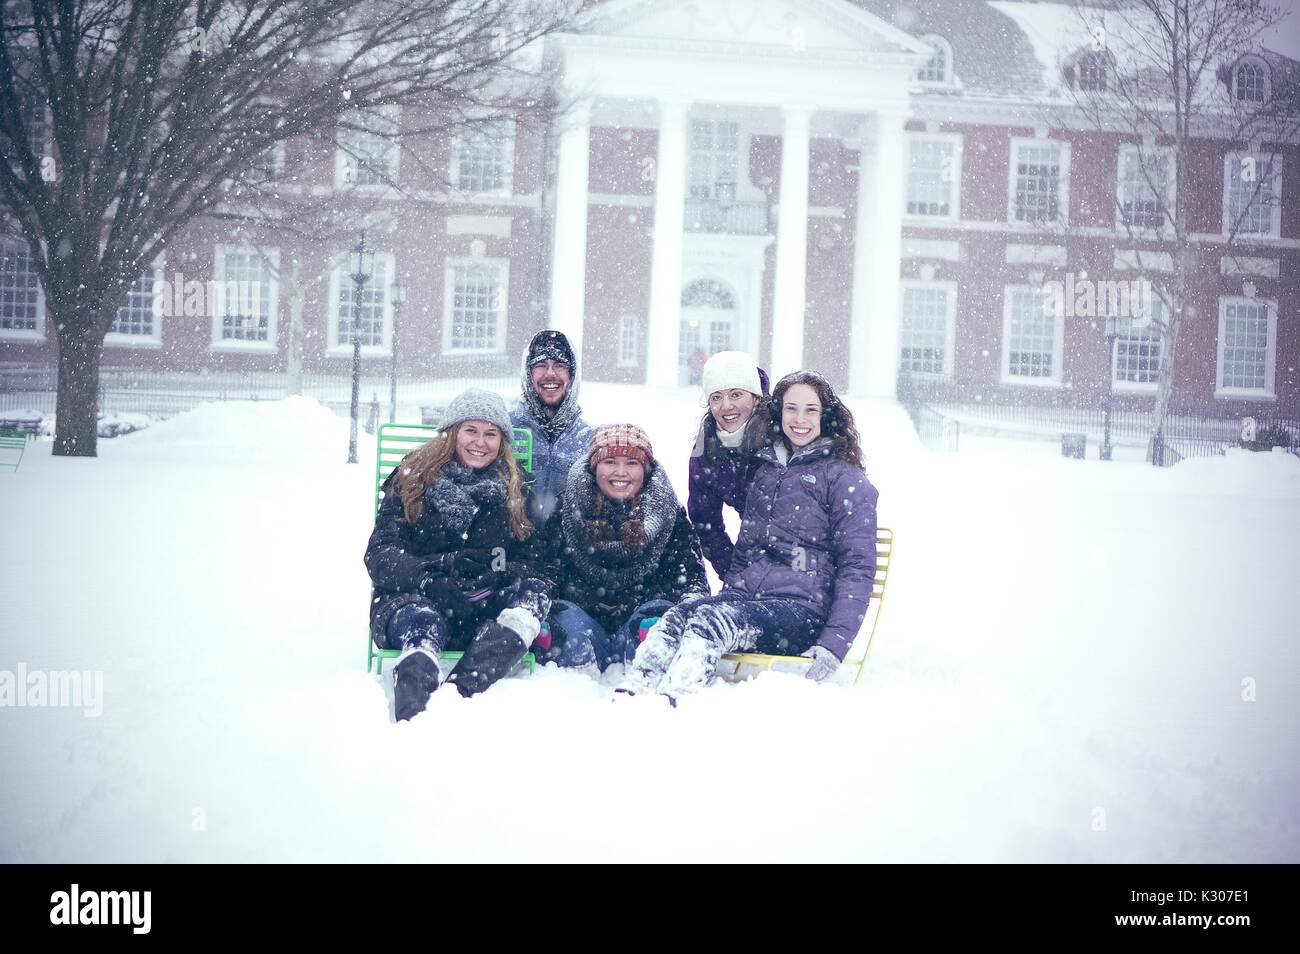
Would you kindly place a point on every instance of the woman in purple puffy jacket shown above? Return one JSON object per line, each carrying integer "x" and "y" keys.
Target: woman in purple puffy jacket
{"x": 801, "y": 575}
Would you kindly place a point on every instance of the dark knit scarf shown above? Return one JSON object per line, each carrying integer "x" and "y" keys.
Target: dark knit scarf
{"x": 461, "y": 491}
{"x": 597, "y": 530}
{"x": 552, "y": 425}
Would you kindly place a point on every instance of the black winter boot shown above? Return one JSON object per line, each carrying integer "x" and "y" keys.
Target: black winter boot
{"x": 415, "y": 676}
{"x": 493, "y": 654}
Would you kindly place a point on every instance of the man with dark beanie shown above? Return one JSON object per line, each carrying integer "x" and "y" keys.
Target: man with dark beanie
{"x": 548, "y": 407}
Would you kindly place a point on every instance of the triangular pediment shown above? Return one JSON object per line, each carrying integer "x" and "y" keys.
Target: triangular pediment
{"x": 800, "y": 24}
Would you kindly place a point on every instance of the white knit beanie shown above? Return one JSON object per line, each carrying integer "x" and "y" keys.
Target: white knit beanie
{"x": 730, "y": 369}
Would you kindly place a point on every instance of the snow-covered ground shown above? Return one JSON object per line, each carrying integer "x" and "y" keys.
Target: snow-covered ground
{"x": 1077, "y": 662}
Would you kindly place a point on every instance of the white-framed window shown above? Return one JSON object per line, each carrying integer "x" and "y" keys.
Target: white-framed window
{"x": 927, "y": 328}
{"x": 367, "y": 152}
{"x": 1032, "y": 336}
{"x": 1139, "y": 350}
{"x": 483, "y": 159}
{"x": 1039, "y": 189}
{"x": 1145, "y": 188}
{"x": 476, "y": 291}
{"x": 937, "y": 69}
{"x": 1252, "y": 185}
{"x": 374, "y": 313}
{"x": 934, "y": 176}
{"x": 22, "y": 300}
{"x": 139, "y": 319}
{"x": 246, "y": 298}
{"x": 715, "y": 156}
{"x": 1247, "y": 348}
{"x": 629, "y": 341}
{"x": 1250, "y": 80}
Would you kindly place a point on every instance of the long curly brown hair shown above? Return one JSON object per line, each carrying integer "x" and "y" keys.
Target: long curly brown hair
{"x": 425, "y": 464}
{"x": 837, "y": 419}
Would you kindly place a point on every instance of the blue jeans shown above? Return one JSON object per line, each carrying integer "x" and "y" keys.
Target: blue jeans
{"x": 579, "y": 640}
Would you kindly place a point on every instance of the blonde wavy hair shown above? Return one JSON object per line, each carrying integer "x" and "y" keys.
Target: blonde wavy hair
{"x": 425, "y": 464}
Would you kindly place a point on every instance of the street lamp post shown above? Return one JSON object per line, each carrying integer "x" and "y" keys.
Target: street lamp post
{"x": 1112, "y": 332}
{"x": 398, "y": 293}
{"x": 362, "y": 261}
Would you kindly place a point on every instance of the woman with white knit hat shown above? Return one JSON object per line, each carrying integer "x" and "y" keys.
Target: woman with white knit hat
{"x": 446, "y": 559}
{"x": 722, "y": 461}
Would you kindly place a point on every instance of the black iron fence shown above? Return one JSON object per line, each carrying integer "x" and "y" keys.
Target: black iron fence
{"x": 32, "y": 391}
{"x": 940, "y": 423}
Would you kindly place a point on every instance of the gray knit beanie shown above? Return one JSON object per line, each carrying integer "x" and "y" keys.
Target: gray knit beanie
{"x": 476, "y": 404}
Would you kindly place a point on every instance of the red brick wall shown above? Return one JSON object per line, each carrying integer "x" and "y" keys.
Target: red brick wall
{"x": 619, "y": 257}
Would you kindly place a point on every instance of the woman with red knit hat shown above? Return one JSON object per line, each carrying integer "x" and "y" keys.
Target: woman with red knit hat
{"x": 619, "y": 551}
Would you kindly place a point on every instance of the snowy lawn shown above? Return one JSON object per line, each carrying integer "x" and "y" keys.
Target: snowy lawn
{"x": 1077, "y": 662}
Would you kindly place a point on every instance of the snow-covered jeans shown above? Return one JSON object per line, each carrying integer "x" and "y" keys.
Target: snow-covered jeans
{"x": 424, "y": 624}
{"x": 681, "y": 652}
{"x": 579, "y": 640}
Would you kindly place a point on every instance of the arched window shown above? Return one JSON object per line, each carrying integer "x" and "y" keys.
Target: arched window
{"x": 708, "y": 293}
{"x": 939, "y": 67}
{"x": 1091, "y": 70}
{"x": 1250, "y": 82}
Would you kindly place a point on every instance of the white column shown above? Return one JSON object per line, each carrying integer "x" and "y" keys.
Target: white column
{"x": 569, "y": 245}
{"x": 666, "y": 266}
{"x": 790, "y": 291}
{"x": 878, "y": 250}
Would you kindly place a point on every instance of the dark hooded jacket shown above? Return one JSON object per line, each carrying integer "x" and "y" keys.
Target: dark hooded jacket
{"x": 588, "y": 557}
{"x": 809, "y": 534}
{"x": 558, "y": 440}
{"x": 721, "y": 475}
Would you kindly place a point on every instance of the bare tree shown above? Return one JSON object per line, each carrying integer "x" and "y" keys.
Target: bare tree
{"x": 1169, "y": 75}
{"x": 120, "y": 123}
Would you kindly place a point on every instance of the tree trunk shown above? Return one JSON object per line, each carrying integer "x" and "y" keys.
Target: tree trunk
{"x": 293, "y": 367}
{"x": 76, "y": 432}
{"x": 1184, "y": 262}
{"x": 1164, "y": 390}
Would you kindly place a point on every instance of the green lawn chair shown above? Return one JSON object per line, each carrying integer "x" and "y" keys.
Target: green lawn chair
{"x": 395, "y": 442}
{"x": 13, "y": 443}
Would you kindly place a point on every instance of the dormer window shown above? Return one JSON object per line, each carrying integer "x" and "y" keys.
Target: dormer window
{"x": 939, "y": 67}
{"x": 1091, "y": 71}
{"x": 1250, "y": 81}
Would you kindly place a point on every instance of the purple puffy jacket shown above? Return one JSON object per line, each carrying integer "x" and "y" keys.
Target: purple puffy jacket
{"x": 809, "y": 534}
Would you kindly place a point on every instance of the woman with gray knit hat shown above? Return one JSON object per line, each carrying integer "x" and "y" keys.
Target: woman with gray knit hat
{"x": 734, "y": 428}
{"x": 619, "y": 551}
{"x": 444, "y": 558}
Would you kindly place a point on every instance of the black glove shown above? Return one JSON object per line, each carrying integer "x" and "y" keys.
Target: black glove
{"x": 466, "y": 565}
{"x": 446, "y": 596}
{"x": 778, "y": 551}
{"x": 791, "y": 555}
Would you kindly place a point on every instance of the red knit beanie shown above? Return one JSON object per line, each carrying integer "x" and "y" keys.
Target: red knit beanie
{"x": 620, "y": 440}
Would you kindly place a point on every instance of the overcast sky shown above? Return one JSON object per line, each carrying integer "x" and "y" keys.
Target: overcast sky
{"x": 1285, "y": 37}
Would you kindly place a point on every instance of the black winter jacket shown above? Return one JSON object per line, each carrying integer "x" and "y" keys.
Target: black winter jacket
{"x": 463, "y": 509}
{"x": 606, "y": 577}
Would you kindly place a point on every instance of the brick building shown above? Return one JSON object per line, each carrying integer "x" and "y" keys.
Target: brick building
{"x": 839, "y": 185}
